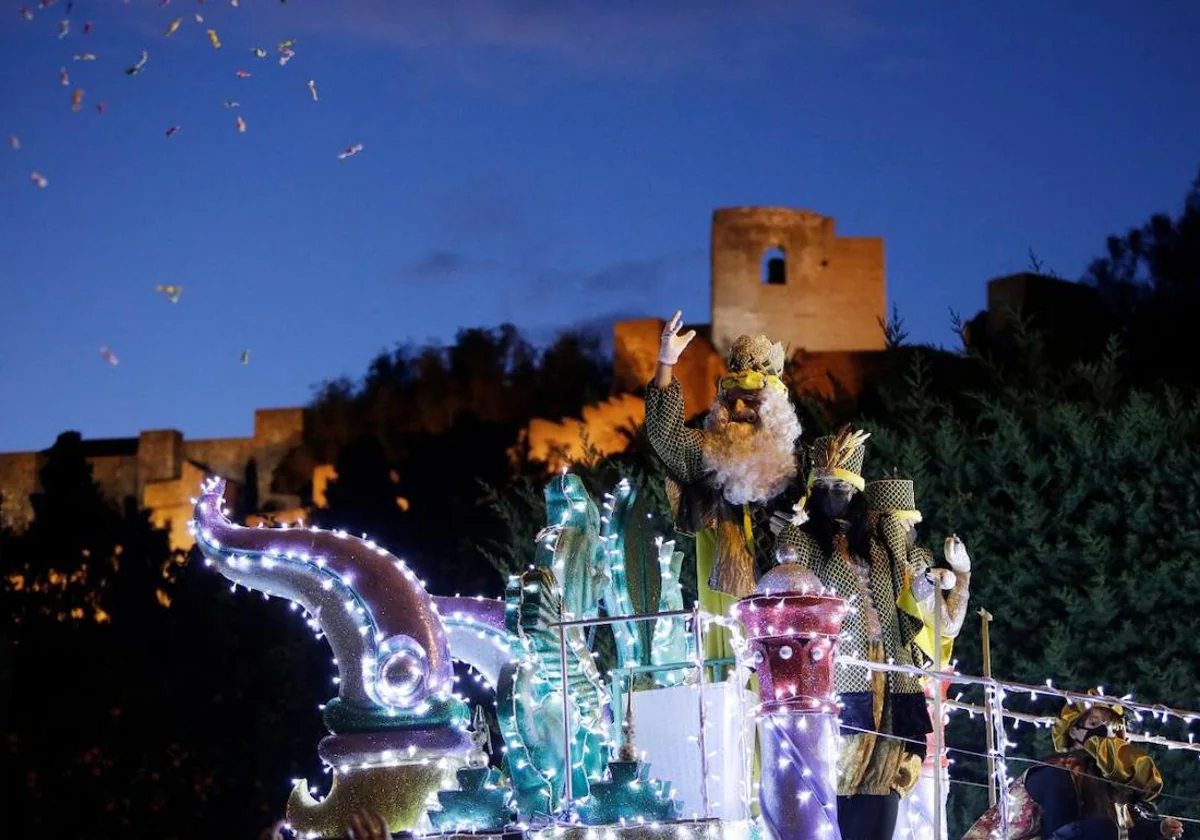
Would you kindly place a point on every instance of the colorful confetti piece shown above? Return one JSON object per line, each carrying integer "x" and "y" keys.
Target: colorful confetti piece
{"x": 137, "y": 68}
{"x": 212, "y": 36}
{"x": 259, "y": 52}
{"x": 64, "y": 29}
{"x": 85, "y": 56}
{"x": 87, "y": 28}
{"x": 63, "y": 77}
{"x": 285, "y": 56}
{"x": 39, "y": 179}
{"x": 242, "y": 74}
{"x": 77, "y": 100}
{"x": 25, "y": 13}
{"x": 312, "y": 90}
{"x": 172, "y": 292}
{"x": 241, "y": 125}
{"x": 245, "y": 357}
{"x": 100, "y": 107}
{"x": 172, "y": 131}
{"x": 232, "y": 103}
{"x": 173, "y": 27}
{"x": 351, "y": 151}
{"x": 14, "y": 142}
{"x": 109, "y": 356}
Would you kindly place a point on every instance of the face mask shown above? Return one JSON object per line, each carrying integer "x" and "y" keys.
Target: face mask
{"x": 831, "y": 503}
{"x": 1101, "y": 731}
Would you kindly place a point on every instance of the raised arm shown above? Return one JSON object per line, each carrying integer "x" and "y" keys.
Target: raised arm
{"x": 678, "y": 446}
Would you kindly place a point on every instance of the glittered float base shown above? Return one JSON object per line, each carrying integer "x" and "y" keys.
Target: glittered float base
{"x": 396, "y": 793}
{"x": 678, "y": 830}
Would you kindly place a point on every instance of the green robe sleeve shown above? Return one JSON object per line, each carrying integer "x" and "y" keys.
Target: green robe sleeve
{"x": 679, "y": 447}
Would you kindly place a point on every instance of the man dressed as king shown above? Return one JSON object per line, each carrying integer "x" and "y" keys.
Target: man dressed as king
{"x": 734, "y": 471}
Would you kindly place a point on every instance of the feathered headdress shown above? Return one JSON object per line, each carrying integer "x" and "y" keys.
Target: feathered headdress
{"x": 840, "y": 456}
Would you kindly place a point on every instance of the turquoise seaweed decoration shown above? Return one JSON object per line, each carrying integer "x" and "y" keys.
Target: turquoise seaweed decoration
{"x": 671, "y": 643}
{"x": 563, "y": 583}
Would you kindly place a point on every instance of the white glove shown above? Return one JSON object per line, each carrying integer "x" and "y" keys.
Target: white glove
{"x": 673, "y": 343}
{"x": 956, "y": 554}
{"x": 943, "y": 576}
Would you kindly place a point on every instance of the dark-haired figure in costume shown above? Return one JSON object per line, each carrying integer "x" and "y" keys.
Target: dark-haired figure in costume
{"x": 1097, "y": 787}
{"x": 734, "y": 472}
{"x": 868, "y": 560}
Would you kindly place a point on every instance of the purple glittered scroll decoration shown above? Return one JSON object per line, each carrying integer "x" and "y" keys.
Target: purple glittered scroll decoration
{"x": 389, "y": 643}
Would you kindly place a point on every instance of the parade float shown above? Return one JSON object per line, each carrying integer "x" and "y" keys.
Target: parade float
{"x": 655, "y": 747}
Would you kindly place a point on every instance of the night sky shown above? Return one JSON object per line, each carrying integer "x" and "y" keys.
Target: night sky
{"x": 544, "y": 162}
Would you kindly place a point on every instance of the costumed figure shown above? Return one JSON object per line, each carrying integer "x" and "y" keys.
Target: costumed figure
{"x": 1097, "y": 787}
{"x": 884, "y": 717}
{"x": 730, "y": 472}
{"x": 893, "y": 509}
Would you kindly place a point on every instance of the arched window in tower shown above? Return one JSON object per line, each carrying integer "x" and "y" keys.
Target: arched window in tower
{"x": 774, "y": 267}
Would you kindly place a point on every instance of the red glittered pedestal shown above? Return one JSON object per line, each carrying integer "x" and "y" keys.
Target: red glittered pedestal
{"x": 793, "y": 640}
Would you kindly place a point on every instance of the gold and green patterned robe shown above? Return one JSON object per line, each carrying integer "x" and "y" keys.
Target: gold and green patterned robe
{"x": 876, "y": 704}
{"x": 735, "y": 541}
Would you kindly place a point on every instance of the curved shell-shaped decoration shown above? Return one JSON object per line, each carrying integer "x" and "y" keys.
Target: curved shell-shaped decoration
{"x": 389, "y": 643}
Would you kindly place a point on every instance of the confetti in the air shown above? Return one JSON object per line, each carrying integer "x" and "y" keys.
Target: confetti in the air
{"x": 100, "y": 107}
{"x": 87, "y": 28}
{"x": 77, "y": 100}
{"x": 242, "y": 74}
{"x": 286, "y": 55}
{"x": 137, "y": 68}
{"x": 233, "y": 3}
{"x": 241, "y": 125}
{"x": 14, "y": 142}
{"x": 232, "y": 103}
{"x": 350, "y": 152}
{"x": 25, "y": 13}
{"x": 45, "y": 4}
{"x": 212, "y": 36}
{"x": 39, "y": 179}
{"x": 85, "y": 56}
{"x": 312, "y": 89}
{"x": 172, "y": 131}
{"x": 259, "y": 52}
{"x": 109, "y": 356}
{"x": 245, "y": 357}
{"x": 63, "y": 77}
{"x": 172, "y": 292}
{"x": 199, "y": 18}
{"x": 173, "y": 27}
{"x": 64, "y": 28}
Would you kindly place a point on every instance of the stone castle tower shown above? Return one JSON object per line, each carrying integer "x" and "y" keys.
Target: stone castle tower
{"x": 788, "y": 275}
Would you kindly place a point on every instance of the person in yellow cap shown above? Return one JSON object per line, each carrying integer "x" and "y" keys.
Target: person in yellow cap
{"x": 732, "y": 473}
{"x": 884, "y": 716}
{"x": 1098, "y": 786}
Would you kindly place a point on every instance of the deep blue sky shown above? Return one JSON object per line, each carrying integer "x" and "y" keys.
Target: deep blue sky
{"x": 544, "y": 162}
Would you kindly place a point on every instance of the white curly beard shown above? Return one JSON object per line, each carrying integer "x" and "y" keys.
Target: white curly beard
{"x": 747, "y": 462}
